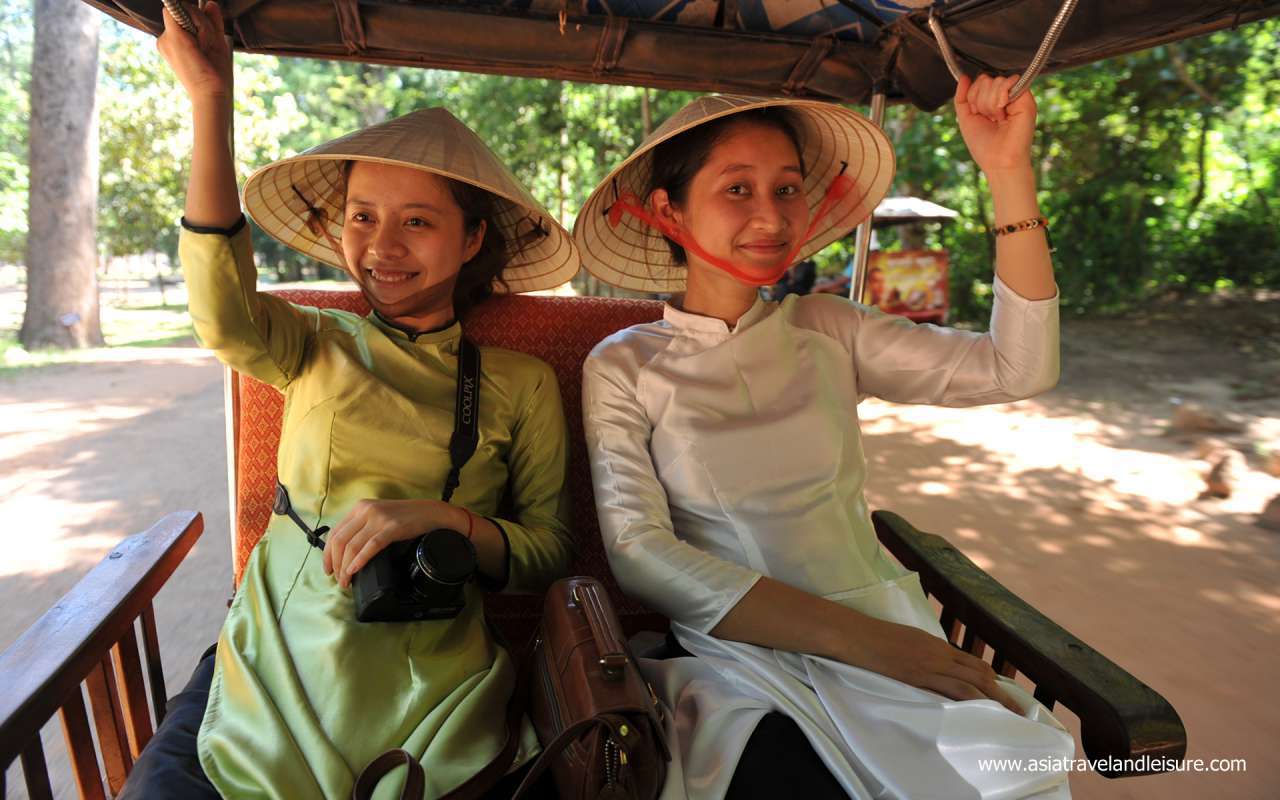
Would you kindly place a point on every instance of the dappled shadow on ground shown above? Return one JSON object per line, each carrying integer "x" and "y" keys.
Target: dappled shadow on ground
{"x": 90, "y": 454}
{"x": 1221, "y": 351}
{"x": 1112, "y": 545}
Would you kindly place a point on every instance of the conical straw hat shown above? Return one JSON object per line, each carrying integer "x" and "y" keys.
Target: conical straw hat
{"x": 633, "y": 255}
{"x": 542, "y": 252}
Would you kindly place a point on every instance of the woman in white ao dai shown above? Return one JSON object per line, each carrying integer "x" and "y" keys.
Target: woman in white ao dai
{"x": 729, "y": 470}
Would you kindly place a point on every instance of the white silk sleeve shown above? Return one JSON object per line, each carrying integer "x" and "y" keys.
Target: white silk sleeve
{"x": 897, "y": 360}
{"x": 651, "y": 563}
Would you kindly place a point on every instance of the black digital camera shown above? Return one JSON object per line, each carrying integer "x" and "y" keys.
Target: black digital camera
{"x": 416, "y": 580}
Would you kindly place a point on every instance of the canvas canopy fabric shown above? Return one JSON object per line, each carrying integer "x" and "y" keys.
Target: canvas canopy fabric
{"x": 821, "y": 49}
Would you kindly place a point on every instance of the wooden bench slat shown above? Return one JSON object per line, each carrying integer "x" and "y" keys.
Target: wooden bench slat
{"x": 950, "y": 625}
{"x": 1044, "y": 697}
{"x": 1003, "y": 666}
{"x": 155, "y": 670}
{"x": 47, "y": 663}
{"x": 108, "y": 719}
{"x": 1120, "y": 717}
{"x": 84, "y": 757}
{"x": 35, "y": 770}
{"x": 973, "y": 643}
{"x": 133, "y": 691}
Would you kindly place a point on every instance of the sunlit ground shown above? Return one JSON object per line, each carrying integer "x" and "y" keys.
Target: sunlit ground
{"x": 1092, "y": 513}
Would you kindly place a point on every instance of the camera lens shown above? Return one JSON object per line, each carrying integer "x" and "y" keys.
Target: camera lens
{"x": 442, "y": 558}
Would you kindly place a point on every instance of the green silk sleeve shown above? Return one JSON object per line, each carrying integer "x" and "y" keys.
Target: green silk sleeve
{"x": 540, "y": 546}
{"x": 252, "y": 333}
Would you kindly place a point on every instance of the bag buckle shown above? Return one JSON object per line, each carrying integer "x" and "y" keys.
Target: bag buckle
{"x": 613, "y": 665}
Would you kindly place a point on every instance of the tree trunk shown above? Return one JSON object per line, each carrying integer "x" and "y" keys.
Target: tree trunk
{"x": 1202, "y": 179}
{"x": 62, "y": 259}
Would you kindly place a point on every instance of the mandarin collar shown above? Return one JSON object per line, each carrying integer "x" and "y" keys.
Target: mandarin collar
{"x": 443, "y": 335}
{"x": 688, "y": 322}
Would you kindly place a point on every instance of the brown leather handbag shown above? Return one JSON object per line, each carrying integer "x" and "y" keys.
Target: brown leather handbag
{"x": 599, "y": 722}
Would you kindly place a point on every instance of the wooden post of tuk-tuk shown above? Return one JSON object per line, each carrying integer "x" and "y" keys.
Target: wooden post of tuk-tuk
{"x": 862, "y": 244}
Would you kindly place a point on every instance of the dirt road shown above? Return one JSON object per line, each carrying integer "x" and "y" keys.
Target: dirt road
{"x": 91, "y": 453}
{"x": 1077, "y": 501}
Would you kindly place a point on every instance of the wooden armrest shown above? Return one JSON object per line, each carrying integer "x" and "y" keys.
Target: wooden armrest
{"x": 1121, "y": 718}
{"x": 41, "y": 672}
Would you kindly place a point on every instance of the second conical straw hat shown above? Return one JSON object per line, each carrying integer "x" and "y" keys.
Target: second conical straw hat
{"x": 632, "y": 255}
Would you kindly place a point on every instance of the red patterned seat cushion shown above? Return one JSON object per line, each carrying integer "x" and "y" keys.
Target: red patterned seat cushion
{"x": 559, "y": 330}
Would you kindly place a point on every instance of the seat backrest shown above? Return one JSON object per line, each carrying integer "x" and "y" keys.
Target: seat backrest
{"x": 558, "y": 330}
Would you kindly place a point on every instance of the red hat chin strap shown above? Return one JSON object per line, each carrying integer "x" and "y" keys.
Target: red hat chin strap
{"x": 628, "y": 203}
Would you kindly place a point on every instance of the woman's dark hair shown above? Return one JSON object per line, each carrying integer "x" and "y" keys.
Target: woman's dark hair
{"x": 476, "y": 277}
{"x": 679, "y": 158}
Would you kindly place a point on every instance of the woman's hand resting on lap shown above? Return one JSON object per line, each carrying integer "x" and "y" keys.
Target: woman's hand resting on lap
{"x": 767, "y": 613}
{"x": 923, "y": 660}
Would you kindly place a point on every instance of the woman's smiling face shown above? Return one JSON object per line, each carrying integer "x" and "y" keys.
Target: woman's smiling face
{"x": 746, "y": 203}
{"x": 405, "y": 239}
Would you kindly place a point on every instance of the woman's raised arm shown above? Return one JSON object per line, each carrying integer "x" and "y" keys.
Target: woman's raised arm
{"x": 202, "y": 64}
{"x": 999, "y": 134}
{"x": 254, "y": 334}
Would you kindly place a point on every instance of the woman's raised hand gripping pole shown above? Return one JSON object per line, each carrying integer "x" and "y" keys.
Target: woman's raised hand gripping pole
{"x": 202, "y": 64}
{"x": 999, "y": 135}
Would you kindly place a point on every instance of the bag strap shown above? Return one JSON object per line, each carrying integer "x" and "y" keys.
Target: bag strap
{"x": 466, "y": 414}
{"x": 473, "y": 787}
{"x": 415, "y": 783}
{"x": 557, "y": 746}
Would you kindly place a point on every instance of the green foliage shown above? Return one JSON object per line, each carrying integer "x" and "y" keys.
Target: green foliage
{"x": 144, "y": 141}
{"x": 1157, "y": 170}
{"x": 15, "y": 71}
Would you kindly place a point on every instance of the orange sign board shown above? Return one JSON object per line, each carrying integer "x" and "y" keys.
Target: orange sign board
{"x": 912, "y": 283}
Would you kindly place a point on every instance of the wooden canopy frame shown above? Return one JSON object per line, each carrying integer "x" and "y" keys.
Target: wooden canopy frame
{"x": 579, "y": 41}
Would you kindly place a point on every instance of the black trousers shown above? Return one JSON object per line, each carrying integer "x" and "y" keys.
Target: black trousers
{"x": 778, "y": 760}
{"x": 168, "y": 766}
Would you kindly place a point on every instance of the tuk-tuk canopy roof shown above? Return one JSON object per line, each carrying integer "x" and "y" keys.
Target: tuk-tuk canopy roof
{"x": 825, "y": 49}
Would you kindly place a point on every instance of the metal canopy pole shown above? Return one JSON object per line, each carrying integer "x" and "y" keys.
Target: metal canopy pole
{"x": 862, "y": 244}
{"x": 180, "y": 16}
{"x": 1038, "y": 61}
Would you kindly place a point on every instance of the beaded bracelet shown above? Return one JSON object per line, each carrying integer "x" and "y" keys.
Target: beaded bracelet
{"x": 1026, "y": 225}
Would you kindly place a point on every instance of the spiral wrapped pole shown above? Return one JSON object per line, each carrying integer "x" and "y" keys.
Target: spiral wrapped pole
{"x": 1046, "y": 47}
{"x": 180, "y": 15}
{"x": 862, "y": 241}
{"x": 1038, "y": 61}
{"x": 944, "y": 46}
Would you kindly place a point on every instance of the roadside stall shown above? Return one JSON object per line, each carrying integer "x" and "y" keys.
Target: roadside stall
{"x": 912, "y": 283}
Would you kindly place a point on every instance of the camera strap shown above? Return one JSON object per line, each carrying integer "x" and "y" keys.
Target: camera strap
{"x": 462, "y": 445}
{"x": 466, "y": 415}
